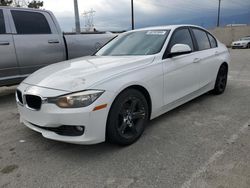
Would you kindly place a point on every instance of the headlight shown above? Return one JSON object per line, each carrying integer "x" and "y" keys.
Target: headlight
{"x": 77, "y": 100}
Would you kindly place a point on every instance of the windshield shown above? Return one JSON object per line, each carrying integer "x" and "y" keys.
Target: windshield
{"x": 245, "y": 38}
{"x": 135, "y": 43}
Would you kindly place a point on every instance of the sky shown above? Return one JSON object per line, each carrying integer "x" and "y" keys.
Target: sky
{"x": 115, "y": 15}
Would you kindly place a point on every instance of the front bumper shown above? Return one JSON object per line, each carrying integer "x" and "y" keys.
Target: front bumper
{"x": 239, "y": 45}
{"x": 52, "y": 116}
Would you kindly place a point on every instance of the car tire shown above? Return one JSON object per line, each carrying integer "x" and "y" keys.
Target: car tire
{"x": 248, "y": 45}
{"x": 127, "y": 118}
{"x": 221, "y": 80}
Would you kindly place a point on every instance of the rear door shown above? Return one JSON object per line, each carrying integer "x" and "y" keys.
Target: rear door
{"x": 208, "y": 53}
{"x": 37, "y": 41}
{"x": 8, "y": 64}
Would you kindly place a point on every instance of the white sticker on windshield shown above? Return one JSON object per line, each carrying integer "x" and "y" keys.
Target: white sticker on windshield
{"x": 156, "y": 33}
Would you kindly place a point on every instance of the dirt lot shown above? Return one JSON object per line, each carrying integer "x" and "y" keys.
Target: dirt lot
{"x": 204, "y": 143}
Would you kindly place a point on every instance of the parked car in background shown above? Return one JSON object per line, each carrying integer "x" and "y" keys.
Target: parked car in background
{"x": 136, "y": 77}
{"x": 31, "y": 39}
{"x": 243, "y": 42}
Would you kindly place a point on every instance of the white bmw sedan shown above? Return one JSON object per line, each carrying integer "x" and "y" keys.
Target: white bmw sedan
{"x": 134, "y": 78}
{"x": 241, "y": 43}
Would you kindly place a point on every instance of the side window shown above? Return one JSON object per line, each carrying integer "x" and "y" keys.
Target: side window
{"x": 181, "y": 36}
{"x": 212, "y": 41}
{"x": 202, "y": 39}
{"x": 30, "y": 22}
{"x": 2, "y": 24}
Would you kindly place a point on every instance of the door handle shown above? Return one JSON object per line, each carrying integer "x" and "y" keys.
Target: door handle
{"x": 196, "y": 60}
{"x": 53, "y": 41}
{"x": 4, "y": 43}
{"x": 216, "y": 53}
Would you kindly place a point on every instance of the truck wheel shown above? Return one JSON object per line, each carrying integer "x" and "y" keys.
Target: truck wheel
{"x": 127, "y": 118}
{"x": 221, "y": 80}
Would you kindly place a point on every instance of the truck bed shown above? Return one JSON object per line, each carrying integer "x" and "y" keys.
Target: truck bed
{"x": 79, "y": 45}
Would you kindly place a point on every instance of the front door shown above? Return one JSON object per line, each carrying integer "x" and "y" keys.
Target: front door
{"x": 181, "y": 73}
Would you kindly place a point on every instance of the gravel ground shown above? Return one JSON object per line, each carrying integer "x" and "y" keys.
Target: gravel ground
{"x": 204, "y": 143}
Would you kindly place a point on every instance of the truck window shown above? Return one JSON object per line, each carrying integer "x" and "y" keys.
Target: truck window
{"x": 2, "y": 24}
{"x": 30, "y": 22}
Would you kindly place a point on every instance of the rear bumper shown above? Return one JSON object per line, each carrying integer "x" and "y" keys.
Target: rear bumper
{"x": 50, "y": 117}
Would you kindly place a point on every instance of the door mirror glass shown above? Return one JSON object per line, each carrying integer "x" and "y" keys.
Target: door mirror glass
{"x": 179, "y": 49}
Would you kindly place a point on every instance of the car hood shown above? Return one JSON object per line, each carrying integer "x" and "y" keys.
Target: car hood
{"x": 81, "y": 73}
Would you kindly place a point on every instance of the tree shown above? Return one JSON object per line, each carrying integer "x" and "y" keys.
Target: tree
{"x": 5, "y": 2}
{"x": 22, "y": 3}
{"x": 35, "y": 4}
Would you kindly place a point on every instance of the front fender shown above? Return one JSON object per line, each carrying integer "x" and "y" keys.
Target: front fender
{"x": 149, "y": 77}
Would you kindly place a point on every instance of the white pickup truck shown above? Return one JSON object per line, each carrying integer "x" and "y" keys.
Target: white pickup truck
{"x": 31, "y": 39}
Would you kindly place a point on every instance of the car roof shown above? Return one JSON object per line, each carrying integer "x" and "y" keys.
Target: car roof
{"x": 167, "y": 27}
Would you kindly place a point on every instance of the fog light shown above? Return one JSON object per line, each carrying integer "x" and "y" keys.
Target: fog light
{"x": 80, "y": 128}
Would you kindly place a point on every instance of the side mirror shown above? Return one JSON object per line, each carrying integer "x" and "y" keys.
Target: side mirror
{"x": 180, "y": 49}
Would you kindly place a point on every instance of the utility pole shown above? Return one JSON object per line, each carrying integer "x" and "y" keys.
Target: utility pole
{"x": 77, "y": 18}
{"x": 89, "y": 20}
{"x": 132, "y": 15}
{"x": 218, "y": 19}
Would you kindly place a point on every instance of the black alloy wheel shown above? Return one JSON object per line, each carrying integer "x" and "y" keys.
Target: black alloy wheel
{"x": 127, "y": 118}
{"x": 221, "y": 80}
